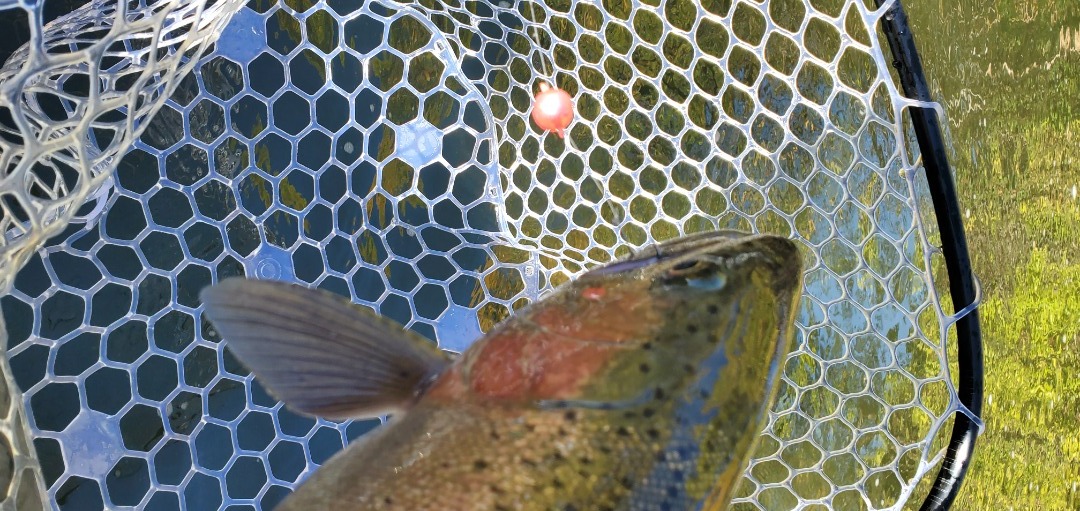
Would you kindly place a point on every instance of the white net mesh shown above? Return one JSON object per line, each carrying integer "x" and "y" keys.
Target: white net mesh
{"x": 383, "y": 151}
{"x": 76, "y": 98}
{"x": 71, "y": 102}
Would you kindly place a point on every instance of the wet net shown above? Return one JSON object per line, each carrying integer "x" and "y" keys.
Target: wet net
{"x": 383, "y": 151}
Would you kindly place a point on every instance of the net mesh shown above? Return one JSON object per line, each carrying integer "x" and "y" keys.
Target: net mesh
{"x": 383, "y": 151}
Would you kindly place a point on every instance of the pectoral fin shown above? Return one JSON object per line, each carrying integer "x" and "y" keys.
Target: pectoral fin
{"x": 319, "y": 353}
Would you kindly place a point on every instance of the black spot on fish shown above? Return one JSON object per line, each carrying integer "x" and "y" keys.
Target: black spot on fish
{"x": 403, "y": 374}
{"x": 672, "y": 491}
{"x": 495, "y": 435}
{"x": 557, "y": 456}
{"x": 622, "y": 431}
{"x": 570, "y": 416}
{"x": 658, "y": 394}
{"x": 562, "y": 432}
{"x": 569, "y": 507}
{"x": 479, "y": 465}
{"x": 653, "y": 433}
{"x": 626, "y": 482}
{"x": 496, "y": 490}
{"x": 691, "y": 328}
{"x": 647, "y": 346}
{"x": 528, "y": 462}
{"x": 713, "y": 309}
{"x": 585, "y": 460}
{"x": 557, "y": 483}
{"x": 531, "y": 428}
{"x": 644, "y": 368}
{"x": 648, "y": 412}
{"x": 445, "y": 464}
{"x": 388, "y": 501}
{"x": 688, "y": 368}
{"x": 605, "y": 449}
{"x": 629, "y": 414}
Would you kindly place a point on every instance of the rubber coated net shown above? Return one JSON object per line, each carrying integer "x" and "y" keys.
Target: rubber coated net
{"x": 383, "y": 151}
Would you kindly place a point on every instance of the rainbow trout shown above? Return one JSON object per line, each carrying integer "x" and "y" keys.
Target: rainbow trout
{"x": 641, "y": 385}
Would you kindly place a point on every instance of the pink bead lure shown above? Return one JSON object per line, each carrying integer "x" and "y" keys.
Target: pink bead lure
{"x": 552, "y": 109}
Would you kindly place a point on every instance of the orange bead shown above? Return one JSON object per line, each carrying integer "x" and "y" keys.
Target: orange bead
{"x": 552, "y": 109}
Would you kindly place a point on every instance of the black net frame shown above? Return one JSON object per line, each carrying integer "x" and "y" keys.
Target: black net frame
{"x": 962, "y": 284}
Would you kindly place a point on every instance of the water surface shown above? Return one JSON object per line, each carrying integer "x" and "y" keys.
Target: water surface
{"x": 1008, "y": 73}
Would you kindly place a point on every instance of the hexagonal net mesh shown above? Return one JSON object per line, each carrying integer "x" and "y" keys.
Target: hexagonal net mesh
{"x": 71, "y": 102}
{"x": 383, "y": 151}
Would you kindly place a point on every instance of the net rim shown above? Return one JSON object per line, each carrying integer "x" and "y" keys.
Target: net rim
{"x": 962, "y": 283}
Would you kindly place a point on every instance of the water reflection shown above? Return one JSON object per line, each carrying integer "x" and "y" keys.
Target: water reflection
{"x": 1005, "y": 72}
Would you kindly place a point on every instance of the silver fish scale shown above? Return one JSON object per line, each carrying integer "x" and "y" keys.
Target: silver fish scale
{"x": 383, "y": 151}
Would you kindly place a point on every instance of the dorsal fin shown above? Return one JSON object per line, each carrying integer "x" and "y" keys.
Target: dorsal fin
{"x": 319, "y": 353}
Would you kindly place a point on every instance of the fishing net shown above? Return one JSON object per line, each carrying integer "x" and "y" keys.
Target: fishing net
{"x": 71, "y": 103}
{"x": 383, "y": 151}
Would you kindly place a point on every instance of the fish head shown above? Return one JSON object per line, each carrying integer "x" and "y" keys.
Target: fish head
{"x": 698, "y": 357}
{"x": 677, "y": 346}
{"x": 687, "y": 289}
{"x": 666, "y": 315}
{"x": 707, "y": 278}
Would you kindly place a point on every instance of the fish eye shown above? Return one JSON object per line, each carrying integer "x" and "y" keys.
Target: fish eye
{"x": 685, "y": 265}
{"x": 687, "y": 268}
{"x": 696, "y": 273}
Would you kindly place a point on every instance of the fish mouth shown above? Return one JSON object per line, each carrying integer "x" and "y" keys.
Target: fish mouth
{"x": 670, "y": 249}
